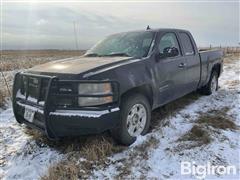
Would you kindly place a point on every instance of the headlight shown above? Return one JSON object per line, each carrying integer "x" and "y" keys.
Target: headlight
{"x": 94, "y": 89}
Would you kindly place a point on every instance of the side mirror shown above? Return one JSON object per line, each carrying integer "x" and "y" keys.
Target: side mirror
{"x": 170, "y": 52}
{"x": 159, "y": 56}
{"x": 175, "y": 51}
{"x": 167, "y": 52}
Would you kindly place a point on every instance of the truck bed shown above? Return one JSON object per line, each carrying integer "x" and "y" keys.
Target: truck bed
{"x": 208, "y": 58}
{"x": 207, "y": 49}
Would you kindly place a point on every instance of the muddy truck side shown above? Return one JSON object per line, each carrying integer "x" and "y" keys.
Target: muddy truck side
{"x": 115, "y": 85}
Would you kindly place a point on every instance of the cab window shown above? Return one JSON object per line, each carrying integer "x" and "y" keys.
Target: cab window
{"x": 169, "y": 40}
{"x": 187, "y": 44}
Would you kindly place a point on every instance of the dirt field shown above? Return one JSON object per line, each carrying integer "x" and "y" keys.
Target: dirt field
{"x": 13, "y": 61}
{"x": 194, "y": 128}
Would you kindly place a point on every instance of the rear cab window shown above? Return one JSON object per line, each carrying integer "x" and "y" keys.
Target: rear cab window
{"x": 187, "y": 44}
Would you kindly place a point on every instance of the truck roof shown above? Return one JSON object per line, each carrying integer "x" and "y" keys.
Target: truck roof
{"x": 166, "y": 29}
{"x": 155, "y": 30}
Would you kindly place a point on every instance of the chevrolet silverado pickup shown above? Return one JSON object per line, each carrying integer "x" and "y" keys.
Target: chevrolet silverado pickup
{"x": 115, "y": 85}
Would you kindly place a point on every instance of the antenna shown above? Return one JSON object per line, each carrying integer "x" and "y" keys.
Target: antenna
{"x": 75, "y": 33}
{"x": 148, "y": 27}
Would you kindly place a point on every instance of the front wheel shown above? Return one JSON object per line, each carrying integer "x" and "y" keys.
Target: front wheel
{"x": 134, "y": 119}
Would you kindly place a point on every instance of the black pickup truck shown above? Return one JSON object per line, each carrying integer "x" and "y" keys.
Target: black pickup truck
{"x": 115, "y": 85}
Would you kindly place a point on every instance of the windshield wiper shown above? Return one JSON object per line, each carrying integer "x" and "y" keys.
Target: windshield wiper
{"x": 112, "y": 54}
{"x": 93, "y": 55}
{"x": 118, "y": 54}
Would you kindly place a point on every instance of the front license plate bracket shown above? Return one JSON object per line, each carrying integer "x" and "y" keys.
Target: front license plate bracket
{"x": 29, "y": 114}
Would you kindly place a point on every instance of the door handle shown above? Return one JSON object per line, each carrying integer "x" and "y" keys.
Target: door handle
{"x": 181, "y": 65}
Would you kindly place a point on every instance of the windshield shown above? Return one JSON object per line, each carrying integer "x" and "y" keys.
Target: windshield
{"x": 134, "y": 44}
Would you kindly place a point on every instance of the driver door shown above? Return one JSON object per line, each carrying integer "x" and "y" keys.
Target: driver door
{"x": 171, "y": 70}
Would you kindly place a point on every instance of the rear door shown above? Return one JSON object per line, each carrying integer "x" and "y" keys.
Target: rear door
{"x": 171, "y": 70}
{"x": 192, "y": 61}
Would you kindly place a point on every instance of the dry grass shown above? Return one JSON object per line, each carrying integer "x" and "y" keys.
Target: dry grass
{"x": 206, "y": 125}
{"x": 23, "y": 64}
{"x": 12, "y": 60}
{"x": 82, "y": 157}
{"x": 233, "y": 83}
{"x": 218, "y": 119}
{"x": 140, "y": 152}
{"x": 231, "y": 57}
{"x": 41, "y": 53}
{"x": 3, "y": 95}
{"x": 63, "y": 170}
{"x": 197, "y": 134}
{"x": 98, "y": 149}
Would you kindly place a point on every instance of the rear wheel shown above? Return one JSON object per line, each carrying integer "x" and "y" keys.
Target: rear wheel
{"x": 135, "y": 119}
{"x": 212, "y": 85}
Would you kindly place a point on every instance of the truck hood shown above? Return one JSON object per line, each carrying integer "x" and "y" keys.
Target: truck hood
{"x": 76, "y": 65}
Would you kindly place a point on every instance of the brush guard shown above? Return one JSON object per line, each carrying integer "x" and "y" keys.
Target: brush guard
{"x": 47, "y": 107}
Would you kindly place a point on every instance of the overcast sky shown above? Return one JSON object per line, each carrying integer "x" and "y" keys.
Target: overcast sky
{"x": 35, "y": 25}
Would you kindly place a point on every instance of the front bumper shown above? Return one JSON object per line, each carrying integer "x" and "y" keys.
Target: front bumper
{"x": 57, "y": 123}
{"x": 62, "y": 123}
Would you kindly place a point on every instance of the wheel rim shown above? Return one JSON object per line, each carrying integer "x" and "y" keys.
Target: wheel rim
{"x": 214, "y": 84}
{"x": 136, "y": 120}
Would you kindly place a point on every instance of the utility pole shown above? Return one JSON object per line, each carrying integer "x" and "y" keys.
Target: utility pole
{"x": 75, "y": 34}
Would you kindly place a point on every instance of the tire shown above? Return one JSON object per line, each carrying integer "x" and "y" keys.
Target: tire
{"x": 134, "y": 119}
{"x": 212, "y": 85}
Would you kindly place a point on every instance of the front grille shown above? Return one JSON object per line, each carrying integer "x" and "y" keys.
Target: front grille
{"x": 33, "y": 89}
